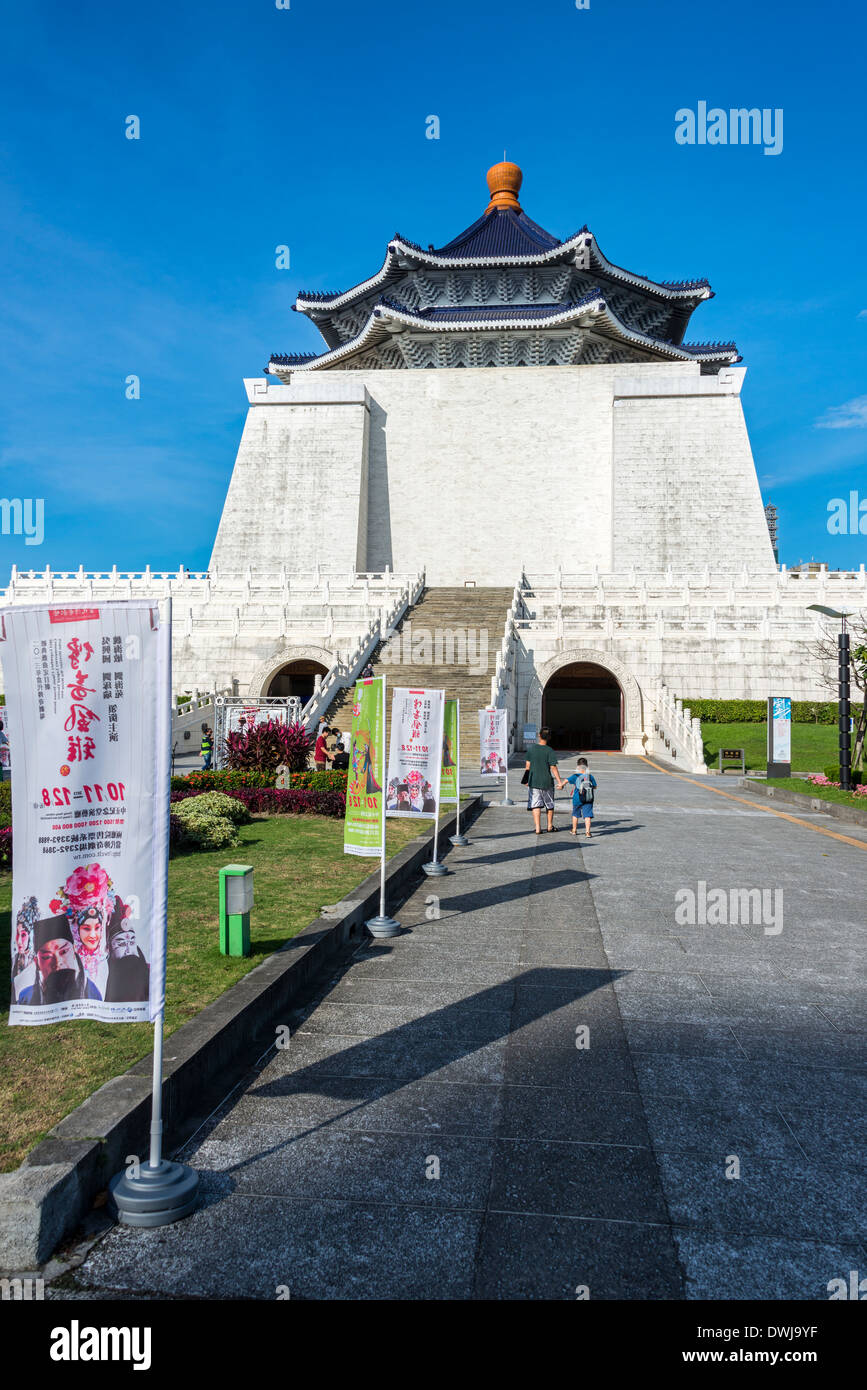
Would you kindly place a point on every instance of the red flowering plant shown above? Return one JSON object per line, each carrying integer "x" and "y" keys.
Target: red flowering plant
{"x": 265, "y": 746}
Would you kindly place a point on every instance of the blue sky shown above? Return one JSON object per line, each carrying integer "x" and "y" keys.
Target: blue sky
{"x": 306, "y": 127}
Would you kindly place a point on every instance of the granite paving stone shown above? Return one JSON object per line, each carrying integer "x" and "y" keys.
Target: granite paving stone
{"x": 440, "y": 1126}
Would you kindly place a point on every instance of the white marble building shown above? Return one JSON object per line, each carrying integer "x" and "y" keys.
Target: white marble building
{"x": 514, "y": 412}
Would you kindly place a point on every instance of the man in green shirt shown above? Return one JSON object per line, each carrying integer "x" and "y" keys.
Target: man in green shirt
{"x": 542, "y": 767}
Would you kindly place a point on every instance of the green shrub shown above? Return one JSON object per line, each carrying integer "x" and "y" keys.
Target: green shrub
{"x": 5, "y": 803}
{"x": 222, "y": 779}
{"x": 210, "y": 821}
{"x": 202, "y": 828}
{"x": 756, "y": 711}
{"x": 832, "y": 772}
{"x": 213, "y": 804}
{"x": 331, "y": 780}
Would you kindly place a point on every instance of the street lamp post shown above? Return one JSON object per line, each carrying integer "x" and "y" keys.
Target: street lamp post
{"x": 844, "y": 712}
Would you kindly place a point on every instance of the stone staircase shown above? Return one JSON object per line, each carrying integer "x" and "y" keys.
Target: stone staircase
{"x": 474, "y": 620}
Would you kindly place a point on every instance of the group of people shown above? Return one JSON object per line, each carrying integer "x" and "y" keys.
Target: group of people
{"x": 331, "y": 749}
{"x": 540, "y": 773}
{"x": 87, "y": 948}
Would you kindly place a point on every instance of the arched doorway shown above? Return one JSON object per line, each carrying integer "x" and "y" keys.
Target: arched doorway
{"x": 582, "y": 704}
{"x": 296, "y": 678}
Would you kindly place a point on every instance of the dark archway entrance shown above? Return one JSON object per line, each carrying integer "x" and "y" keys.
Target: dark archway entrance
{"x": 582, "y": 704}
{"x": 296, "y": 678}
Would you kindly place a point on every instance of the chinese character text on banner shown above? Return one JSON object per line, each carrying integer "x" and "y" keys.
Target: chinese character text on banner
{"x": 492, "y": 742}
{"x": 85, "y": 687}
{"x": 449, "y": 786}
{"x": 363, "y": 827}
{"x": 415, "y": 753}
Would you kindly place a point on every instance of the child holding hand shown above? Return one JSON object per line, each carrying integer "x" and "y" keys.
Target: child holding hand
{"x": 583, "y": 790}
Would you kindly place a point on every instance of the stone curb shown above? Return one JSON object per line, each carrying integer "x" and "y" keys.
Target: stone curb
{"x": 852, "y": 814}
{"x": 45, "y": 1199}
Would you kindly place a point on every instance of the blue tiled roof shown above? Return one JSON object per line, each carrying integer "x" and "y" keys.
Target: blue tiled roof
{"x": 293, "y": 359}
{"x": 486, "y": 313}
{"x": 709, "y": 347}
{"x": 500, "y": 233}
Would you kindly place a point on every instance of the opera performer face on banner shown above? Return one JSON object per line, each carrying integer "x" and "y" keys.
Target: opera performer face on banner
{"x": 59, "y": 973}
{"x": 88, "y": 936}
{"x": 87, "y": 899}
{"x": 23, "y": 962}
{"x": 128, "y": 970}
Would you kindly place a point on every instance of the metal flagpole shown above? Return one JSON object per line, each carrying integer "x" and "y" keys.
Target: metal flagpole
{"x": 458, "y": 839}
{"x": 507, "y": 800}
{"x": 382, "y": 808}
{"x": 160, "y": 1191}
{"x": 383, "y": 925}
{"x": 435, "y": 869}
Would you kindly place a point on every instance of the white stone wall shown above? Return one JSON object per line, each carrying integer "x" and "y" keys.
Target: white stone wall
{"x": 474, "y": 472}
{"x": 703, "y": 635}
{"x": 296, "y": 497}
{"x": 234, "y": 630}
{"x": 685, "y": 487}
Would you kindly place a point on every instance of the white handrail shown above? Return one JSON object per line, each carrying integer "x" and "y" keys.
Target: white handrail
{"x": 344, "y": 673}
{"x": 676, "y": 734}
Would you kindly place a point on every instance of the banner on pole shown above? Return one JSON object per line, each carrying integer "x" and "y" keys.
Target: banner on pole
{"x": 362, "y": 829}
{"x": 415, "y": 753}
{"x": 449, "y": 775}
{"x": 493, "y": 756}
{"x": 88, "y": 715}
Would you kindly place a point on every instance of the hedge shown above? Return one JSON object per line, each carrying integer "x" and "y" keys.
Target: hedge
{"x": 756, "y": 711}
{"x": 222, "y": 780}
{"x": 329, "y": 781}
{"x": 832, "y": 772}
{"x": 6, "y": 847}
{"x": 294, "y": 801}
{"x": 290, "y": 801}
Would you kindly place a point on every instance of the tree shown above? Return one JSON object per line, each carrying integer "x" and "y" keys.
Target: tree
{"x": 825, "y": 650}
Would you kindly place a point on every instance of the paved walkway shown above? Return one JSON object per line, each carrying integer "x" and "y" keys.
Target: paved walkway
{"x": 433, "y": 1130}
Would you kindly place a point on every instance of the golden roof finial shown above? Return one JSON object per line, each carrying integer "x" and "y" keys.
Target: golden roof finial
{"x": 504, "y": 181}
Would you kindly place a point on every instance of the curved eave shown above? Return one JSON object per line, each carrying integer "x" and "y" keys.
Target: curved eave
{"x": 592, "y": 309}
{"x": 402, "y": 256}
{"x": 691, "y": 290}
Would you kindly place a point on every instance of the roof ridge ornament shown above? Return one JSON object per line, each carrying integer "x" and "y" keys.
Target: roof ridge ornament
{"x": 504, "y": 182}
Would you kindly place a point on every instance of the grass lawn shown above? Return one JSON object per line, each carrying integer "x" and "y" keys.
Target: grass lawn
{"x": 814, "y": 746}
{"x": 796, "y": 784}
{"x": 300, "y": 866}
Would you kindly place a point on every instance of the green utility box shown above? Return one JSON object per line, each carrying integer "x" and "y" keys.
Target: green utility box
{"x": 236, "y": 899}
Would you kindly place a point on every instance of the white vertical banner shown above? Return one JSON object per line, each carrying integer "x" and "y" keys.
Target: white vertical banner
{"x": 493, "y": 748}
{"x": 89, "y": 728}
{"x": 780, "y": 729}
{"x": 415, "y": 752}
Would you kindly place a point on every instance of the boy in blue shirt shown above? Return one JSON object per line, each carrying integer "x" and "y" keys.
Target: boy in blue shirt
{"x": 583, "y": 789}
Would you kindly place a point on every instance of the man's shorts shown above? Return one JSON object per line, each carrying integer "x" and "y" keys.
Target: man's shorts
{"x": 542, "y": 800}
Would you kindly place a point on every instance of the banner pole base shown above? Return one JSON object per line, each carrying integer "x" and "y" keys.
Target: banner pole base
{"x": 434, "y": 869}
{"x": 157, "y": 1196}
{"x": 459, "y": 840}
{"x": 382, "y": 926}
